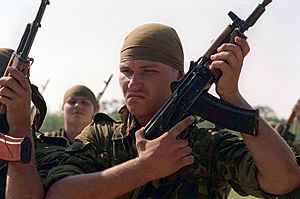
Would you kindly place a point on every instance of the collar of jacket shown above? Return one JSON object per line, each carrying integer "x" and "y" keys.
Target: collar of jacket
{"x": 128, "y": 126}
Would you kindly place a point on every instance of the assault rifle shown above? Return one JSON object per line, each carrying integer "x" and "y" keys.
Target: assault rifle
{"x": 283, "y": 129}
{"x": 19, "y": 149}
{"x": 190, "y": 96}
{"x": 102, "y": 92}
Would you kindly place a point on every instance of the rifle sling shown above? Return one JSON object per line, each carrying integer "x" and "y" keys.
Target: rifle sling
{"x": 225, "y": 114}
{"x": 15, "y": 149}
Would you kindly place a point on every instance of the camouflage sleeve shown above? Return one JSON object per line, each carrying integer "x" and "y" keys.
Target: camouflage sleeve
{"x": 234, "y": 163}
{"x": 85, "y": 155}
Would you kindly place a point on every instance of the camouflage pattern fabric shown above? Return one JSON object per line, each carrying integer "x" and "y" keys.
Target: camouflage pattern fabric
{"x": 59, "y": 133}
{"x": 222, "y": 161}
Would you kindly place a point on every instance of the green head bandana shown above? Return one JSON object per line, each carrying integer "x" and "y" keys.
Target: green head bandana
{"x": 81, "y": 91}
{"x": 154, "y": 42}
{"x": 5, "y": 54}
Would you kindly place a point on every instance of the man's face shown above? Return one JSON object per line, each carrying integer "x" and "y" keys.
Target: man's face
{"x": 146, "y": 86}
{"x": 78, "y": 110}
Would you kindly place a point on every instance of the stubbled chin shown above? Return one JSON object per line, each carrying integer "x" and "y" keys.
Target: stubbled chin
{"x": 135, "y": 106}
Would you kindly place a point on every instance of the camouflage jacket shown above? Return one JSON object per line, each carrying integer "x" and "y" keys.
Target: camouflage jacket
{"x": 49, "y": 151}
{"x": 222, "y": 160}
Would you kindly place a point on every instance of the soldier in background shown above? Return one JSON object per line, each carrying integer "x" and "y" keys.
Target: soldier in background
{"x": 79, "y": 107}
{"x": 290, "y": 130}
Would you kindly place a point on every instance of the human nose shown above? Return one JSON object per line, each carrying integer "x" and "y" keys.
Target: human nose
{"x": 135, "y": 82}
{"x": 77, "y": 104}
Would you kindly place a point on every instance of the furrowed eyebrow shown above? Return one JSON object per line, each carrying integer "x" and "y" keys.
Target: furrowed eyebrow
{"x": 123, "y": 66}
{"x": 148, "y": 66}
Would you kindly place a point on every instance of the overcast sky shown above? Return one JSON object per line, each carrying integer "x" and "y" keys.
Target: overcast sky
{"x": 80, "y": 40}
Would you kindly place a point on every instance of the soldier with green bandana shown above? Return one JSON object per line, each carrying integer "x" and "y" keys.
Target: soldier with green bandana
{"x": 112, "y": 159}
{"x": 79, "y": 107}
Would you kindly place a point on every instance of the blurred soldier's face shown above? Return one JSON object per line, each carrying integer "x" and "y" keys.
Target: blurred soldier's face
{"x": 78, "y": 110}
{"x": 146, "y": 86}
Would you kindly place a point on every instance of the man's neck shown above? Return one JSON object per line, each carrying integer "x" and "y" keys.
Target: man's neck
{"x": 143, "y": 120}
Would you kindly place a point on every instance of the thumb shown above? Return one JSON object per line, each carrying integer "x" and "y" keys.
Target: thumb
{"x": 140, "y": 134}
{"x": 140, "y": 140}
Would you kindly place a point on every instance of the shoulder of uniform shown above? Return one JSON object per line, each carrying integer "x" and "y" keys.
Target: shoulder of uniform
{"x": 52, "y": 139}
{"x": 102, "y": 117}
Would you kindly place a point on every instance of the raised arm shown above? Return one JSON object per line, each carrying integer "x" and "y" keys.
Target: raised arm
{"x": 23, "y": 180}
{"x": 277, "y": 169}
{"x": 123, "y": 178}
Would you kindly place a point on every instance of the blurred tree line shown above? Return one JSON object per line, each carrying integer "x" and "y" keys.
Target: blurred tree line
{"x": 54, "y": 121}
{"x": 268, "y": 114}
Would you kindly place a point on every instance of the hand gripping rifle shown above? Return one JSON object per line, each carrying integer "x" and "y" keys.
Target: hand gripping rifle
{"x": 19, "y": 149}
{"x": 283, "y": 130}
{"x": 190, "y": 96}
